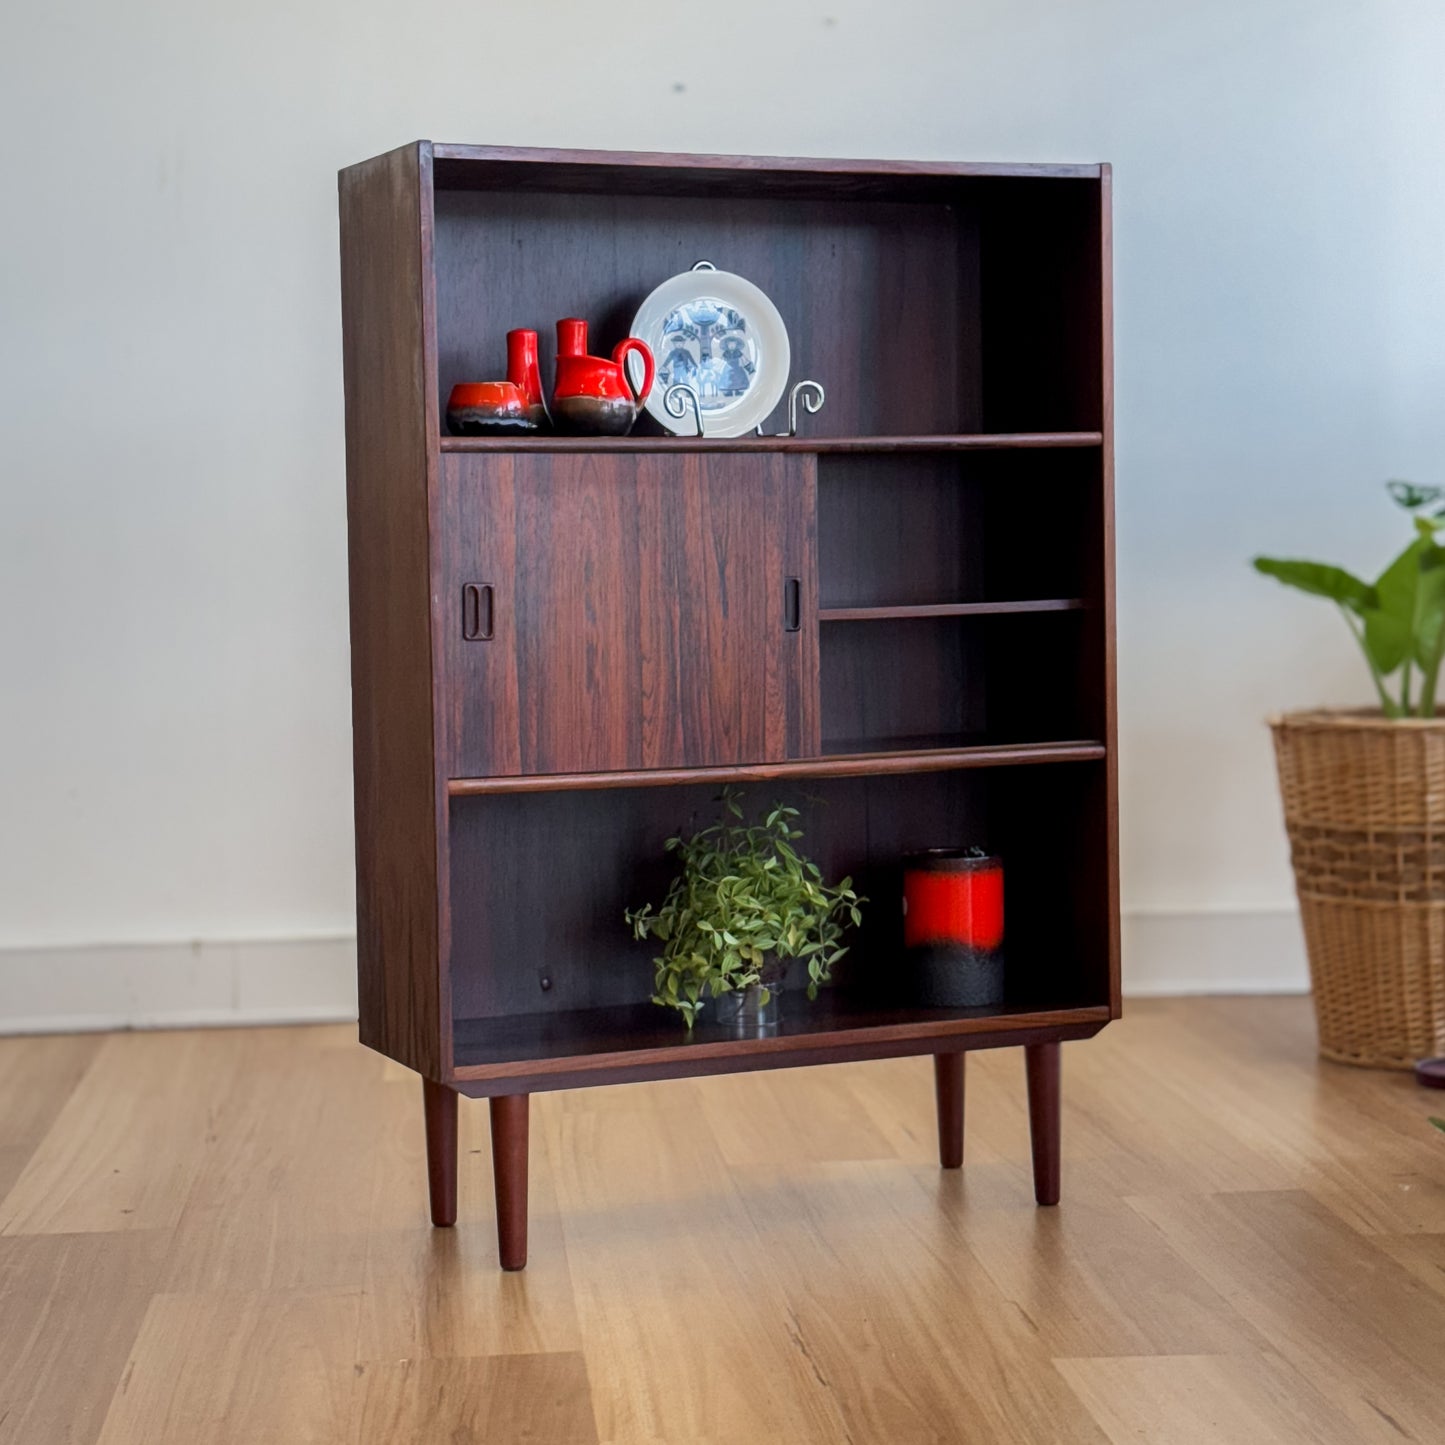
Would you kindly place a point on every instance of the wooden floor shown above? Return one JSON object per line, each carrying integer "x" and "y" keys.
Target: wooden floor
{"x": 219, "y": 1239}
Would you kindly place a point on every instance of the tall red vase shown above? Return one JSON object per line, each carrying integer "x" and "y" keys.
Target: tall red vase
{"x": 524, "y": 370}
{"x": 953, "y": 927}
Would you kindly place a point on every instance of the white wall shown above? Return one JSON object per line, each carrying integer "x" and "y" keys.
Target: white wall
{"x": 173, "y": 663}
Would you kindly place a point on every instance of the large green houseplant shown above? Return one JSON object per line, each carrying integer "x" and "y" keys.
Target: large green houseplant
{"x": 1364, "y": 803}
{"x": 1399, "y": 619}
{"x": 743, "y": 903}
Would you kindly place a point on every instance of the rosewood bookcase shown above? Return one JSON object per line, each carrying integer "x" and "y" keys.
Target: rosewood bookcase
{"x": 562, "y": 647}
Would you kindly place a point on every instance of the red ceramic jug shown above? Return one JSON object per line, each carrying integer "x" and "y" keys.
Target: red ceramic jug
{"x": 594, "y": 396}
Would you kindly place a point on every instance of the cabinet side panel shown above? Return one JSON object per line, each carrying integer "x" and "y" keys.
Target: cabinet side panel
{"x": 384, "y": 245}
{"x": 1106, "y": 563}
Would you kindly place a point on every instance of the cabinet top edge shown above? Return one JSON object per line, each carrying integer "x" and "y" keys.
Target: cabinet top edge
{"x": 523, "y": 161}
{"x": 825, "y": 165}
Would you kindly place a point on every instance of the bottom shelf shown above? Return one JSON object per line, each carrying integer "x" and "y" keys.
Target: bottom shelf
{"x": 549, "y": 988}
{"x": 638, "y": 1041}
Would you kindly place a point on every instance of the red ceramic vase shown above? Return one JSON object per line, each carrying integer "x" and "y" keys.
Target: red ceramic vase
{"x": 953, "y": 927}
{"x": 524, "y": 370}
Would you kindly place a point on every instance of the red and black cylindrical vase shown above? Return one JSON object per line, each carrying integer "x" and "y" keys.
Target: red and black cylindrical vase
{"x": 953, "y": 927}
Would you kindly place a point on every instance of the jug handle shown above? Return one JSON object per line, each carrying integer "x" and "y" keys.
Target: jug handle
{"x": 619, "y": 356}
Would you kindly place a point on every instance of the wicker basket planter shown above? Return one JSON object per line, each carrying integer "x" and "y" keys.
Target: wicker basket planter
{"x": 1364, "y": 804}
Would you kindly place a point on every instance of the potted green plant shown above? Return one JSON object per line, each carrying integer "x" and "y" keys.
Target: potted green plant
{"x": 1364, "y": 804}
{"x": 743, "y": 903}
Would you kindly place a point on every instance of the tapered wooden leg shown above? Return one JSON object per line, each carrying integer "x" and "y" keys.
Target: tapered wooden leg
{"x": 440, "y": 1104}
{"x": 509, "y": 1175}
{"x": 1042, "y": 1063}
{"x": 948, "y": 1084}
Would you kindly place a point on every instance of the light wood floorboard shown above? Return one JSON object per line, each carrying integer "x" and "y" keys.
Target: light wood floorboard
{"x": 220, "y": 1238}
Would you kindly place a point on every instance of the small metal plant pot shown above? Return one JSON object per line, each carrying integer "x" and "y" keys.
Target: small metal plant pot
{"x": 743, "y": 1011}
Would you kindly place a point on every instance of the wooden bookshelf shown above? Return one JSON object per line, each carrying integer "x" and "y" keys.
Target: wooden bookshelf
{"x": 948, "y": 516}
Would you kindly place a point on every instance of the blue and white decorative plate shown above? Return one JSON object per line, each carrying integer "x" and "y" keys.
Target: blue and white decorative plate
{"x": 718, "y": 334}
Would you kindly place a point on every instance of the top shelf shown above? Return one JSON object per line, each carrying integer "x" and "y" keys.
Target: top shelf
{"x": 964, "y": 442}
{"x": 472, "y": 167}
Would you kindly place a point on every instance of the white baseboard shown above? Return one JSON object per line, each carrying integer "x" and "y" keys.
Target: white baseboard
{"x": 177, "y": 985}
{"x": 1217, "y": 952}
{"x": 306, "y": 980}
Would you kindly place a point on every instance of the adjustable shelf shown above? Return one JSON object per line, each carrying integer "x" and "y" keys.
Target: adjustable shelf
{"x": 901, "y": 622}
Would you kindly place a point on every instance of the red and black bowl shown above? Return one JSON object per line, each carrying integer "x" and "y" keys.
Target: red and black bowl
{"x": 491, "y": 409}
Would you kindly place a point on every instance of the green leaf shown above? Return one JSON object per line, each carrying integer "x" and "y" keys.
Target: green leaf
{"x": 1409, "y": 496}
{"x": 1412, "y": 603}
{"x": 1438, "y": 1123}
{"x": 1321, "y": 580}
{"x": 1430, "y": 618}
{"x": 1388, "y": 639}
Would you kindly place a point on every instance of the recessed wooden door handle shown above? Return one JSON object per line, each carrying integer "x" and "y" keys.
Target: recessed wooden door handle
{"x": 477, "y": 611}
{"x": 792, "y": 604}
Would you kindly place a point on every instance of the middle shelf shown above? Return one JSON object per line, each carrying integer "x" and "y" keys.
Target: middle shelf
{"x": 909, "y": 611}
